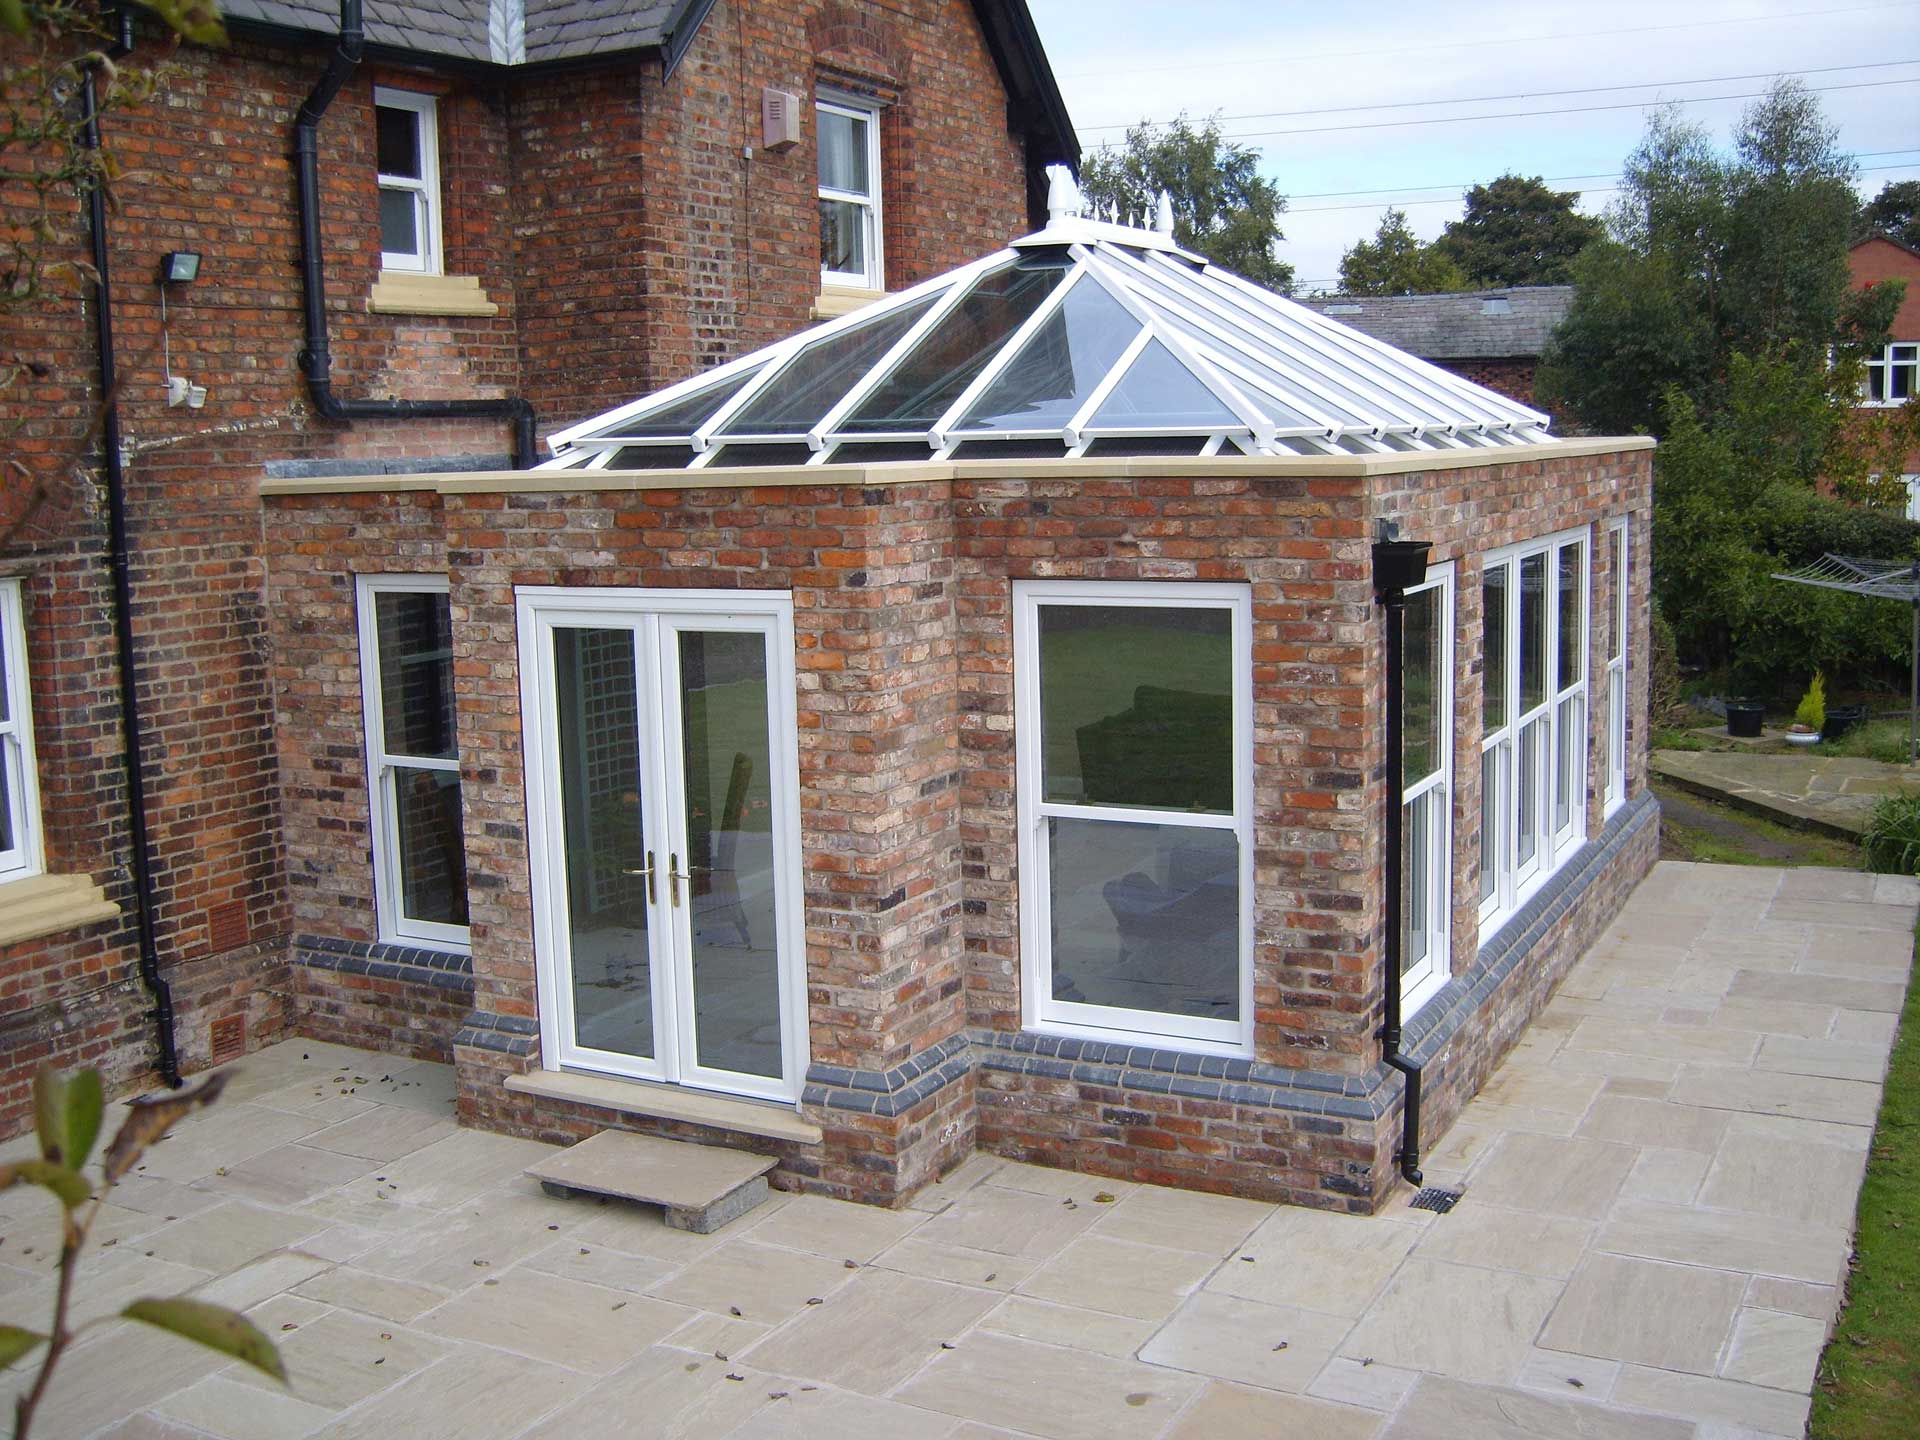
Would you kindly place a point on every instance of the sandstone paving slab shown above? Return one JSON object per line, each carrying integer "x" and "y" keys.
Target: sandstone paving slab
{"x": 1524, "y": 1118}
{"x": 1183, "y": 1219}
{"x": 469, "y": 1243}
{"x": 168, "y": 1199}
{"x": 640, "y": 1229}
{"x": 331, "y": 1359}
{"x": 263, "y": 1279}
{"x": 1828, "y": 947}
{"x": 956, "y": 1263}
{"x": 1808, "y": 1183}
{"x": 461, "y": 1166}
{"x": 1628, "y": 1121}
{"x": 1821, "y": 883}
{"x": 1011, "y": 1222}
{"x": 1120, "y": 1336}
{"x": 1796, "y": 1297}
{"x": 956, "y": 1182}
{"x": 120, "y": 1370}
{"x": 1801, "y": 1132}
{"x": 1316, "y": 1261}
{"x": 1061, "y": 1184}
{"x": 758, "y": 1282}
{"x": 1571, "y": 1377}
{"x": 316, "y": 1100}
{"x": 120, "y": 1279}
{"x": 380, "y": 1296}
{"x": 428, "y": 1085}
{"x": 1224, "y": 1410}
{"x": 1775, "y": 1349}
{"x": 287, "y": 1175}
{"x": 1441, "y": 1408}
{"x": 873, "y": 1333}
{"x": 1861, "y": 1027}
{"x": 1454, "y": 1320}
{"x": 293, "y": 1062}
{"x": 1570, "y": 1177}
{"x": 1835, "y": 1059}
{"x": 1726, "y": 1240}
{"x": 232, "y": 1411}
{"x": 191, "y": 1152}
{"x": 1119, "y": 1276}
{"x": 715, "y": 1335}
{"x": 1835, "y": 990}
{"x": 229, "y": 1236}
{"x": 1370, "y": 1386}
{"x": 1695, "y": 1397}
{"x": 384, "y": 1133}
{"x": 1663, "y": 1042}
{"x": 601, "y": 1265}
{"x": 1845, "y": 915}
{"x": 563, "y": 1322}
{"x": 1670, "y": 1176}
{"x": 836, "y": 1228}
{"x": 1647, "y": 1313}
{"x": 1543, "y": 1089}
{"x": 1476, "y": 1233}
{"x": 469, "y": 1393}
{"x": 1062, "y": 1394}
{"x": 1768, "y": 1018}
{"x": 1274, "y": 1347}
{"x": 1769, "y": 1092}
{"x": 826, "y": 1414}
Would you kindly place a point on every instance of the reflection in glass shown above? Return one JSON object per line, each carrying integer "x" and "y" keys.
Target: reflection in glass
{"x": 843, "y": 237}
{"x": 1573, "y": 620}
{"x": 1044, "y": 385}
{"x": 399, "y": 222}
{"x": 396, "y": 141}
{"x": 433, "y": 861}
{"x": 1145, "y": 917}
{"x": 808, "y": 384}
{"x": 1617, "y": 577}
{"x": 1533, "y": 631}
{"x": 1136, "y": 706}
{"x": 1532, "y": 761}
{"x": 843, "y": 152}
{"x": 1419, "y": 841}
{"x": 600, "y": 803}
{"x": 6, "y": 792}
{"x": 1493, "y": 668}
{"x": 1159, "y": 392}
{"x": 729, "y": 850}
{"x": 1422, "y": 746}
{"x": 1493, "y": 789}
{"x": 683, "y": 416}
{"x": 1568, "y": 766}
{"x": 414, "y": 632}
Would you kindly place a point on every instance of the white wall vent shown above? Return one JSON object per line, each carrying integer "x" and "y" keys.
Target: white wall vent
{"x": 779, "y": 119}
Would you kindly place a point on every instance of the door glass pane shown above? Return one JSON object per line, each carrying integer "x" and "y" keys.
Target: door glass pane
{"x": 843, "y": 152}
{"x": 1493, "y": 666}
{"x": 843, "y": 238}
{"x": 1044, "y": 386}
{"x": 399, "y": 222}
{"x": 1145, "y": 917}
{"x": 433, "y": 863}
{"x": 729, "y": 853}
{"x": 1136, "y": 706}
{"x": 1573, "y": 620}
{"x": 1492, "y": 789}
{"x": 415, "y": 637}
{"x": 1533, "y": 631}
{"x": 1422, "y": 746}
{"x": 600, "y": 802}
{"x": 1531, "y": 758}
{"x": 397, "y": 141}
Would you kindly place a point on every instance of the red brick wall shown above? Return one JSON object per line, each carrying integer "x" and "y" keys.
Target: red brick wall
{"x": 1880, "y": 259}
{"x": 1513, "y": 377}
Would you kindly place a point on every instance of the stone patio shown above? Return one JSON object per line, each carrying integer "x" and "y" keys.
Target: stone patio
{"x": 1833, "y": 794}
{"x": 1659, "y": 1186}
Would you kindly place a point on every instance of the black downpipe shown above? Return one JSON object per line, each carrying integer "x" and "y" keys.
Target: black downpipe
{"x": 1397, "y": 564}
{"x": 140, "y": 835}
{"x": 316, "y": 360}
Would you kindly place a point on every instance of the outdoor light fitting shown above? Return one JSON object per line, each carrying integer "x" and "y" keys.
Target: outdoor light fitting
{"x": 179, "y": 267}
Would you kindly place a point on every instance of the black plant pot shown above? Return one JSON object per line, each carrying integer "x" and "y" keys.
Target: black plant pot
{"x": 1744, "y": 717}
{"x": 1841, "y": 719}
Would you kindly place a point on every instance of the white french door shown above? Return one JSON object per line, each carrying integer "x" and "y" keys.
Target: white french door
{"x": 662, "y": 798}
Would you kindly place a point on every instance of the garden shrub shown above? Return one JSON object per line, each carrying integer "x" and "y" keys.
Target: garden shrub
{"x": 1892, "y": 840}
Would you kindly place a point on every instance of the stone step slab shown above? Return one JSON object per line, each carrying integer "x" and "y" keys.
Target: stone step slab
{"x": 699, "y": 1187}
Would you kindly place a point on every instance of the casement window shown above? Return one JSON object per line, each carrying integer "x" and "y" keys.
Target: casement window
{"x": 1426, "y": 776}
{"x": 1533, "y": 772}
{"x": 1134, "y": 747}
{"x": 413, "y": 765}
{"x": 1619, "y": 584}
{"x": 20, "y": 854}
{"x": 1893, "y": 374}
{"x": 850, "y": 236}
{"x": 407, "y": 157}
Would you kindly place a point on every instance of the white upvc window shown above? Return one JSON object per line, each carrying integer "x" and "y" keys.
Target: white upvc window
{"x": 1134, "y": 749}
{"x": 407, "y": 158}
{"x": 1892, "y": 374}
{"x": 20, "y": 852}
{"x": 1619, "y": 579}
{"x": 1533, "y": 770}
{"x": 851, "y": 247}
{"x": 413, "y": 761}
{"x": 1426, "y": 773}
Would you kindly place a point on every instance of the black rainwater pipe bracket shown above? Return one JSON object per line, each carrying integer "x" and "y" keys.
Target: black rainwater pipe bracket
{"x": 316, "y": 359}
{"x": 1397, "y": 566}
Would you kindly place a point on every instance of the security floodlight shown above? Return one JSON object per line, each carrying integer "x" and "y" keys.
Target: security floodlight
{"x": 179, "y": 267}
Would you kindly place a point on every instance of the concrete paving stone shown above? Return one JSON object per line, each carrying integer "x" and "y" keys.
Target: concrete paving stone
{"x": 1663, "y": 1042}
{"x": 963, "y": 1177}
{"x": 873, "y": 1333}
{"x": 1062, "y": 1394}
{"x": 1845, "y": 915}
{"x": 370, "y": 1294}
{"x": 469, "y": 1393}
{"x": 1575, "y": 1178}
{"x": 1809, "y": 1183}
{"x": 1646, "y": 1313}
{"x": 563, "y": 1322}
{"x": 955, "y": 1263}
{"x": 1835, "y": 990}
{"x": 1670, "y": 1176}
{"x": 601, "y": 1265}
{"x": 1225, "y": 1410}
{"x": 1061, "y": 1184}
{"x": 232, "y": 1411}
{"x": 1835, "y": 1059}
{"x": 331, "y": 1360}
{"x": 1092, "y": 1330}
{"x": 1726, "y": 1240}
{"x": 1475, "y": 1233}
{"x": 461, "y": 1166}
{"x": 1026, "y": 1223}
{"x": 1769, "y": 1092}
{"x": 288, "y": 1175}
{"x": 1774, "y": 1017}
{"x": 709, "y": 1333}
{"x": 1314, "y": 1260}
{"x": 386, "y": 1133}
{"x": 1795, "y": 1297}
{"x": 228, "y": 1236}
{"x": 117, "y": 1372}
{"x": 1572, "y": 1377}
{"x": 1628, "y": 1121}
{"x": 190, "y": 1152}
{"x": 1120, "y": 1277}
{"x": 762, "y": 1283}
{"x": 1454, "y": 1320}
{"x": 1697, "y": 1398}
{"x": 1865, "y": 1027}
{"x": 837, "y": 1228}
{"x": 1442, "y": 1408}
{"x": 1274, "y": 1347}
{"x": 1182, "y": 1219}
{"x": 1775, "y": 1349}
{"x": 1370, "y": 1386}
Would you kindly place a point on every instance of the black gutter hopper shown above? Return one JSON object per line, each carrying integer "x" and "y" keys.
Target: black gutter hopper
{"x": 316, "y": 360}
{"x": 140, "y": 833}
{"x": 1397, "y": 566}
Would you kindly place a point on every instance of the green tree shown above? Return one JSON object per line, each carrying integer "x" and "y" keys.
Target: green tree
{"x": 1894, "y": 212}
{"x": 1518, "y": 232}
{"x": 1398, "y": 262}
{"x": 1223, "y": 207}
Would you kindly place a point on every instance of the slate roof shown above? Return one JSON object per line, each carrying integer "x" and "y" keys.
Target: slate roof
{"x": 1473, "y": 325}
{"x": 453, "y": 28}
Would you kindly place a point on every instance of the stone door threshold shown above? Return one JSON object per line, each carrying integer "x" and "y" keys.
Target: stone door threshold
{"x": 667, "y": 1102}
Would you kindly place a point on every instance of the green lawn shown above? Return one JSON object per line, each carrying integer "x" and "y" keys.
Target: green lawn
{"x": 1869, "y": 1386}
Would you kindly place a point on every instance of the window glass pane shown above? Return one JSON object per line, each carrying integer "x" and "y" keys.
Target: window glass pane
{"x": 683, "y": 416}
{"x": 1493, "y": 648}
{"x": 1573, "y": 619}
{"x": 433, "y": 864}
{"x": 1423, "y": 705}
{"x": 1158, "y": 390}
{"x": 843, "y": 237}
{"x": 415, "y": 635}
{"x": 1617, "y": 577}
{"x": 1533, "y": 631}
{"x": 397, "y": 141}
{"x": 1055, "y": 371}
{"x": 1136, "y": 706}
{"x": 9, "y": 757}
{"x": 843, "y": 152}
{"x": 1492, "y": 791}
{"x": 811, "y": 381}
{"x": 1416, "y": 900}
{"x": 6, "y": 673}
{"x": 1569, "y": 764}
{"x": 1146, "y": 917}
{"x": 1531, "y": 761}
{"x": 400, "y": 222}
{"x": 925, "y": 384}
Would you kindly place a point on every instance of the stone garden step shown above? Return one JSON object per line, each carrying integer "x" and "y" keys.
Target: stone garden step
{"x": 700, "y": 1187}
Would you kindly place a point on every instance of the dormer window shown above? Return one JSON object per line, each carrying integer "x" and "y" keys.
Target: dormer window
{"x": 407, "y": 157}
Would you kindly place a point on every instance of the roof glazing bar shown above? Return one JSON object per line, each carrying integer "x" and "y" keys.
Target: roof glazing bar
{"x": 938, "y": 436}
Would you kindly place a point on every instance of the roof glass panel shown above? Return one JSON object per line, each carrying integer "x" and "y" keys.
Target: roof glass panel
{"x": 1046, "y": 383}
{"x": 1159, "y": 392}
{"x": 945, "y": 361}
{"x": 682, "y": 416}
{"x": 806, "y": 387}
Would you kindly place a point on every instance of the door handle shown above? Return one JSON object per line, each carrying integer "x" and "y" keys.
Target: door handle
{"x": 674, "y": 877}
{"x": 653, "y": 894}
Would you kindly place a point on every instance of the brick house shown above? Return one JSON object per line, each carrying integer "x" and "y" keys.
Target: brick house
{"x": 517, "y": 214}
{"x": 1492, "y": 337}
{"x": 970, "y": 722}
{"x": 1893, "y": 375}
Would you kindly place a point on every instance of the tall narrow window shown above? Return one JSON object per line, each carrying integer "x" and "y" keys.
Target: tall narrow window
{"x": 1135, "y": 763}
{"x": 19, "y": 787}
{"x": 1426, "y": 773}
{"x": 1619, "y": 582}
{"x": 850, "y": 239}
{"x": 407, "y": 158}
{"x": 413, "y": 765}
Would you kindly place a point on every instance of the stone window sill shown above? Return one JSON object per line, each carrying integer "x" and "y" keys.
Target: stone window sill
{"x": 47, "y": 904}
{"x": 668, "y": 1102}
{"x": 401, "y": 292}
{"x": 837, "y": 300}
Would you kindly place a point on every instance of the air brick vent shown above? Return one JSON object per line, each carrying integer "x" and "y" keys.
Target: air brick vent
{"x": 229, "y": 1038}
{"x": 227, "y": 927}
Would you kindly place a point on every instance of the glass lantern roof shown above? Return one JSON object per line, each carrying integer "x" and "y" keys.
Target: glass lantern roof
{"x": 1090, "y": 336}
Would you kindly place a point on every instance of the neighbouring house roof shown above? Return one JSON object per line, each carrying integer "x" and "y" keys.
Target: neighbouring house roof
{"x": 1087, "y": 338}
{"x": 1471, "y": 325}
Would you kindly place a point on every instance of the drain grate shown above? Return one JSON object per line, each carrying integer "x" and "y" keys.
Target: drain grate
{"x": 1435, "y": 1199}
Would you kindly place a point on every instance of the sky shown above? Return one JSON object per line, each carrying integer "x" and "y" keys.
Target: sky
{"x": 1334, "y": 95}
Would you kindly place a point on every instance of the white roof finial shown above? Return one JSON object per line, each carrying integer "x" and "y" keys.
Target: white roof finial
{"x": 1063, "y": 195}
{"x": 1163, "y": 215}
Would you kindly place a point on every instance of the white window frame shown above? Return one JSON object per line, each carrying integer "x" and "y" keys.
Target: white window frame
{"x": 874, "y": 276}
{"x": 1884, "y": 362}
{"x": 425, "y": 190}
{"x": 384, "y": 830}
{"x": 25, "y": 857}
{"x": 1039, "y": 1010}
{"x": 1561, "y": 715}
{"x": 1422, "y": 982}
{"x": 1620, "y": 578}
